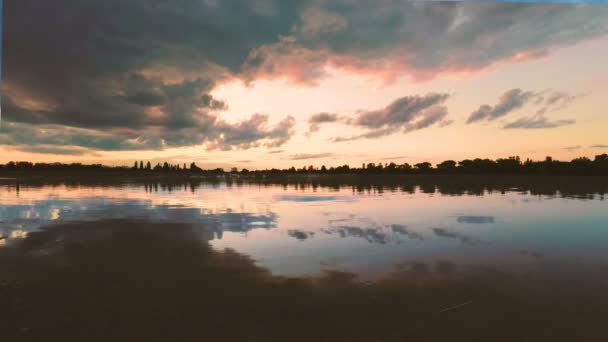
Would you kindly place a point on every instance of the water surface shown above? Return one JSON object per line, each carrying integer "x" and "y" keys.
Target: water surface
{"x": 298, "y": 230}
{"x": 379, "y": 254}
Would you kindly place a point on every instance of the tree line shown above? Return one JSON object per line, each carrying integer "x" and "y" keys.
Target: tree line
{"x": 137, "y": 166}
{"x": 165, "y": 167}
{"x": 511, "y": 165}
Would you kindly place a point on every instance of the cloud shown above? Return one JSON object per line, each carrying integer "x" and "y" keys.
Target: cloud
{"x": 394, "y": 158}
{"x": 151, "y": 115}
{"x": 538, "y": 122}
{"x": 515, "y": 99}
{"x": 217, "y": 134}
{"x": 560, "y": 99}
{"x": 276, "y": 151}
{"x": 51, "y": 149}
{"x": 116, "y": 83}
{"x": 508, "y": 102}
{"x": 400, "y": 112}
{"x": 600, "y": 146}
{"x": 316, "y": 120}
{"x": 316, "y": 20}
{"x": 252, "y": 133}
{"x": 572, "y": 148}
{"x": 370, "y": 135}
{"x": 408, "y": 113}
{"x": 304, "y": 156}
{"x": 34, "y": 136}
{"x": 386, "y": 40}
{"x": 143, "y": 80}
{"x": 285, "y": 59}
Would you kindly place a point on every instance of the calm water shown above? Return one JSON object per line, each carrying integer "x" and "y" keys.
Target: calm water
{"x": 300, "y": 262}
{"x": 303, "y": 231}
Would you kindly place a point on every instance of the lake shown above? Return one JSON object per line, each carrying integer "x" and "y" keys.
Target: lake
{"x": 502, "y": 259}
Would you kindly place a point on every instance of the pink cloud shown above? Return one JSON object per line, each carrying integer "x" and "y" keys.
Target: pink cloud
{"x": 291, "y": 61}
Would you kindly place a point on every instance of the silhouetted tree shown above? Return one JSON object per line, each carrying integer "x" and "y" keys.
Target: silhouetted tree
{"x": 511, "y": 165}
{"x": 195, "y": 168}
{"x": 448, "y": 165}
{"x": 423, "y": 167}
{"x": 405, "y": 167}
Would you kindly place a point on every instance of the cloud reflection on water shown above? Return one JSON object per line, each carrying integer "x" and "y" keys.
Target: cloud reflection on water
{"x": 19, "y": 219}
{"x": 475, "y": 219}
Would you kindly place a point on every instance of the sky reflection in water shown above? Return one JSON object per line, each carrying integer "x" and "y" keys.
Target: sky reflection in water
{"x": 301, "y": 232}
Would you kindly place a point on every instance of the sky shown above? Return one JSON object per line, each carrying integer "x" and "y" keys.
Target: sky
{"x": 278, "y": 83}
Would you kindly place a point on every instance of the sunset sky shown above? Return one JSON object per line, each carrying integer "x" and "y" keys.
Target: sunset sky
{"x": 276, "y": 83}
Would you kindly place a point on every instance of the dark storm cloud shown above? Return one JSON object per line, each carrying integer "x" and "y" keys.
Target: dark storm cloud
{"x": 153, "y": 115}
{"x": 41, "y": 135}
{"x": 139, "y": 74}
{"x": 408, "y": 113}
{"x": 421, "y": 39}
{"x": 537, "y": 122}
{"x": 135, "y": 70}
{"x": 221, "y": 135}
{"x": 508, "y": 102}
